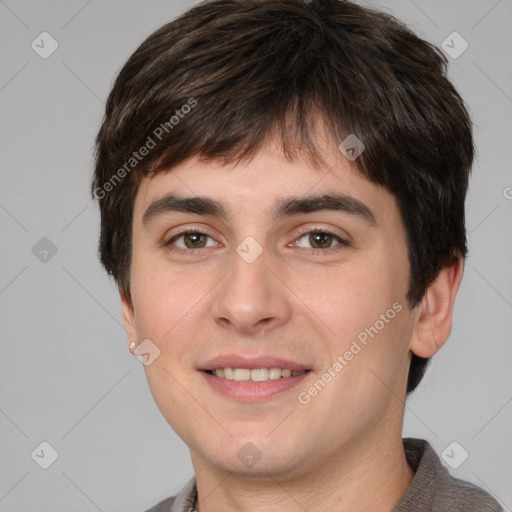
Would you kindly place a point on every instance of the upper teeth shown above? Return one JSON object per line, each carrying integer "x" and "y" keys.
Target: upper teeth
{"x": 257, "y": 374}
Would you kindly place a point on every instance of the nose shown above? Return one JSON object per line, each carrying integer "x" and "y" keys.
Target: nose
{"x": 251, "y": 299}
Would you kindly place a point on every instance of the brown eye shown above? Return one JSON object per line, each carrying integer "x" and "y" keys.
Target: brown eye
{"x": 187, "y": 240}
{"x": 322, "y": 240}
{"x": 193, "y": 240}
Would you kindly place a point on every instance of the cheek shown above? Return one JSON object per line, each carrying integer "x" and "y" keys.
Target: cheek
{"x": 166, "y": 305}
{"x": 352, "y": 297}
{"x": 162, "y": 302}
{"x": 171, "y": 308}
{"x": 368, "y": 324}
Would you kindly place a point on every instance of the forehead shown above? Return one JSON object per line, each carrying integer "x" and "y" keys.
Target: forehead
{"x": 260, "y": 184}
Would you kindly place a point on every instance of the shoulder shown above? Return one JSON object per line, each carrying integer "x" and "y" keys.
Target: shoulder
{"x": 463, "y": 496}
{"x": 435, "y": 489}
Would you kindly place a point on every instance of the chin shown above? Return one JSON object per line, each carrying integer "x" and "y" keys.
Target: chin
{"x": 257, "y": 457}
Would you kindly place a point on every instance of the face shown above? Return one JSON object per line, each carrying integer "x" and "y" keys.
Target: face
{"x": 315, "y": 288}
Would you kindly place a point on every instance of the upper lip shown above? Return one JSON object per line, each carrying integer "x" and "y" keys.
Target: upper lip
{"x": 234, "y": 361}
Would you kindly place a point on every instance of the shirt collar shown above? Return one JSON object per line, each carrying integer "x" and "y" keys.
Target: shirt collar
{"x": 185, "y": 500}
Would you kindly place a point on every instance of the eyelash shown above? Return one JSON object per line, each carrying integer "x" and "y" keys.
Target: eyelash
{"x": 179, "y": 250}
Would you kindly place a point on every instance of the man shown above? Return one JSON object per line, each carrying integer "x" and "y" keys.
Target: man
{"x": 282, "y": 190}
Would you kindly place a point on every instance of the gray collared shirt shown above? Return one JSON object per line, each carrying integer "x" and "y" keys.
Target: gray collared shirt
{"x": 433, "y": 489}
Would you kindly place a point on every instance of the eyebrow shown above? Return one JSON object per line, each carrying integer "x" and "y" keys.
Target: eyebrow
{"x": 285, "y": 207}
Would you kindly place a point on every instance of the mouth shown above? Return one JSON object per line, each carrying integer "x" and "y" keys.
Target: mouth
{"x": 253, "y": 380}
{"x": 254, "y": 375}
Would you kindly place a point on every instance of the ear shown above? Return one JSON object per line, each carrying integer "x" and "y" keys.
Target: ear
{"x": 128, "y": 317}
{"x": 434, "y": 322}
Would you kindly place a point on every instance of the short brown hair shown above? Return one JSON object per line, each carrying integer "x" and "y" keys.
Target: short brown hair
{"x": 260, "y": 67}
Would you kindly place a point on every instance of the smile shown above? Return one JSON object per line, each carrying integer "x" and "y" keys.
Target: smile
{"x": 254, "y": 375}
{"x": 240, "y": 385}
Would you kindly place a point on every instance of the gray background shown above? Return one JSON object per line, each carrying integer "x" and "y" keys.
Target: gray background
{"x": 66, "y": 375}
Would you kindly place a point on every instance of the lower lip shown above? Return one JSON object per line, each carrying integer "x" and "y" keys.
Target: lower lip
{"x": 247, "y": 391}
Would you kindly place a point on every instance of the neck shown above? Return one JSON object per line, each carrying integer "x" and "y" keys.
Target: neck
{"x": 358, "y": 477}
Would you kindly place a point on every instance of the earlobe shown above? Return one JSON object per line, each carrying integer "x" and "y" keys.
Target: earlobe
{"x": 434, "y": 322}
{"x": 128, "y": 318}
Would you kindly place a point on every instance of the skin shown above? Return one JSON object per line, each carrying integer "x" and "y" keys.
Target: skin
{"x": 343, "y": 450}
